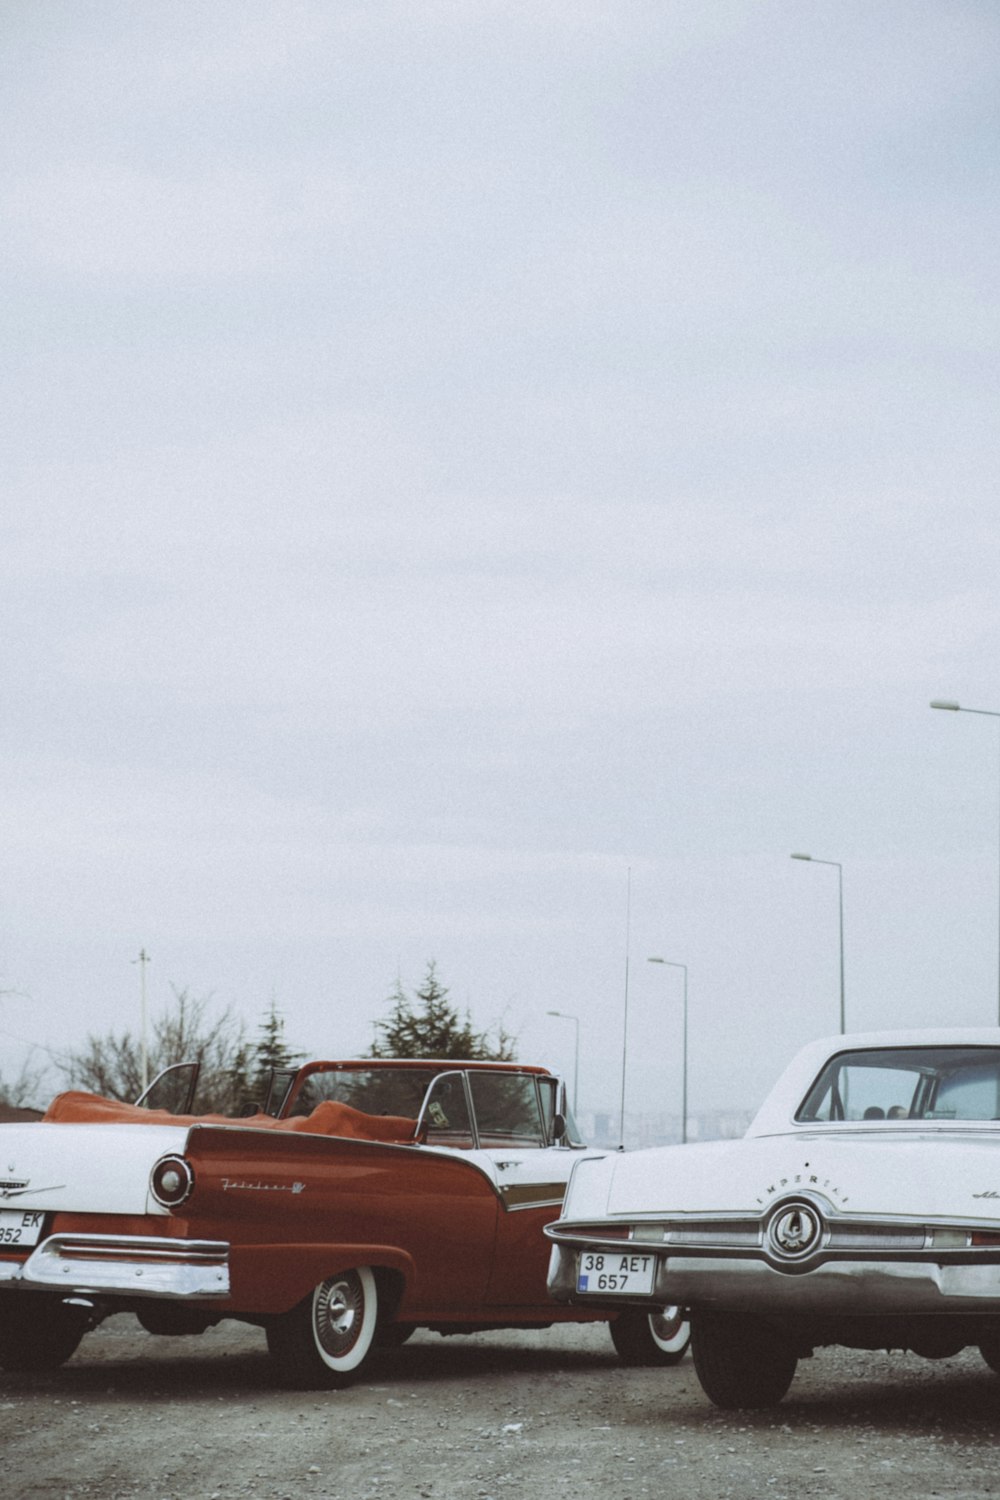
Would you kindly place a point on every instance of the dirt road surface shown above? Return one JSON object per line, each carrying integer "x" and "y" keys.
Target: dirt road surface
{"x": 493, "y": 1417}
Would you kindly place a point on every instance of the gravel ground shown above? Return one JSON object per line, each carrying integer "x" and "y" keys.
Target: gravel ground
{"x": 486, "y": 1418}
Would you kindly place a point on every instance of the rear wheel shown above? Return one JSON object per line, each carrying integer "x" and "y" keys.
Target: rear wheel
{"x": 328, "y": 1338}
{"x": 741, "y": 1362}
{"x": 38, "y": 1332}
{"x": 659, "y": 1338}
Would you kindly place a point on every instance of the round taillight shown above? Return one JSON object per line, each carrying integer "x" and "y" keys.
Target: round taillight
{"x": 171, "y": 1181}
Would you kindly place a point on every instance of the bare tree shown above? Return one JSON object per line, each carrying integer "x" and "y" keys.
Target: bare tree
{"x": 26, "y": 1088}
{"x": 111, "y": 1065}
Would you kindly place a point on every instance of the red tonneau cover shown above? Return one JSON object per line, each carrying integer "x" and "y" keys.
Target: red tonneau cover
{"x": 328, "y": 1118}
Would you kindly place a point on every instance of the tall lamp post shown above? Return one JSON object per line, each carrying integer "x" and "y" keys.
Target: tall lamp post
{"x": 142, "y": 961}
{"x": 576, "y": 1049}
{"x": 840, "y": 889}
{"x": 986, "y": 713}
{"x": 668, "y": 963}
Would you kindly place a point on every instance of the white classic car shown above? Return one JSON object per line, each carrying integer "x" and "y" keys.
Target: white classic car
{"x": 861, "y": 1208}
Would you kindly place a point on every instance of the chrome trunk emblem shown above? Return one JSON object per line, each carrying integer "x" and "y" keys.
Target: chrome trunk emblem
{"x": 794, "y": 1231}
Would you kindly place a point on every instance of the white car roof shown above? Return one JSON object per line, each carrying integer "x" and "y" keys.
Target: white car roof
{"x": 777, "y": 1113}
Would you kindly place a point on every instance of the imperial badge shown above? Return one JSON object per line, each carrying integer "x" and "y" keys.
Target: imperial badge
{"x": 794, "y": 1231}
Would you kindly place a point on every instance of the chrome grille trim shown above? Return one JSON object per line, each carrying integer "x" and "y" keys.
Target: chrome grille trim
{"x": 875, "y": 1237}
{"x": 743, "y": 1235}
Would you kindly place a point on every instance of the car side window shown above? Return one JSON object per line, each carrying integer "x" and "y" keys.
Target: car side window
{"x": 173, "y": 1089}
{"x": 446, "y": 1113}
{"x": 506, "y": 1108}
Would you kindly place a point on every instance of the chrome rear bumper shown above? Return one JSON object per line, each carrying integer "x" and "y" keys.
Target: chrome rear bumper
{"x": 127, "y": 1265}
{"x": 857, "y": 1287}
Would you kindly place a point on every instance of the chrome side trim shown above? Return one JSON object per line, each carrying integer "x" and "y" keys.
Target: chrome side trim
{"x": 517, "y": 1195}
{"x": 131, "y": 1265}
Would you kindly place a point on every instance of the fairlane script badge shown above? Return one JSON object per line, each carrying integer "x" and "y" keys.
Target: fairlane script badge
{"x": 229, "y": 1185}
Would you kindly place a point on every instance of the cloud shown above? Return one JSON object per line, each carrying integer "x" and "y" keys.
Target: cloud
{"x": 228, "y": 224}
{"x": 458, "y": 452}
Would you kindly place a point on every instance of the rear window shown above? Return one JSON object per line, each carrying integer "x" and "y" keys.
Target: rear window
{"x": 906, "y": 1083}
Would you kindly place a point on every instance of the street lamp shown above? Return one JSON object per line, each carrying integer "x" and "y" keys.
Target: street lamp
{"x": 142, "y": 961}
{"x": 684, "y": 1045}
{"x": 840, "y": 887}
{"x": 576, "y": 1049}
{"x": 987, "y": 713}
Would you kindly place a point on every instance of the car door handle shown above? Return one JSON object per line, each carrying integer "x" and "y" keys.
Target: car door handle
{"x": 503, "y": 1165}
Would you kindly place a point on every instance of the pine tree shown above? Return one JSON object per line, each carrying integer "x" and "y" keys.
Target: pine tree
{"x": 428, "y": 1025}
{"x": 270, "y": 1051}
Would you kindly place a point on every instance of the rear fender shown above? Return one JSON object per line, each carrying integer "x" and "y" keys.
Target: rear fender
{"x": 274, "y": 1278}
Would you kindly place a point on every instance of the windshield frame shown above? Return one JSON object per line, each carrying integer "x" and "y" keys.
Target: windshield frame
{"x": 396, "y": 1071}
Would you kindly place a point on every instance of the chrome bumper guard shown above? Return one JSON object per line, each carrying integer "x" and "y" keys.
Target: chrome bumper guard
{"x": 130, "y": 1265}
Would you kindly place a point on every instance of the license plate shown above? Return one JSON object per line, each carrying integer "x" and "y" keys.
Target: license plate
{"x": 20, "y": 1227}
{"x": 601, "y": 1271}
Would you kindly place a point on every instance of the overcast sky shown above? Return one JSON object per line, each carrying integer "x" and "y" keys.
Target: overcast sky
{"x": 486, "y": 481}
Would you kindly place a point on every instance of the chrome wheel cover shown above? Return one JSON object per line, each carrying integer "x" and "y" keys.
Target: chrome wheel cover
{"x": 669, "y": 1328}
{"x": 338, "y": 1314}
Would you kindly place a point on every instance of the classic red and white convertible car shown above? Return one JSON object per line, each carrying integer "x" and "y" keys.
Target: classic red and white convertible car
{"x": 366, "y": 1199}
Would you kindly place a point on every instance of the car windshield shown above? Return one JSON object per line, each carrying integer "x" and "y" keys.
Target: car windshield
{"x": 376, "y": 1091}
{"x": 906, "y": 1083}
{"x": 506, "y": 1108}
